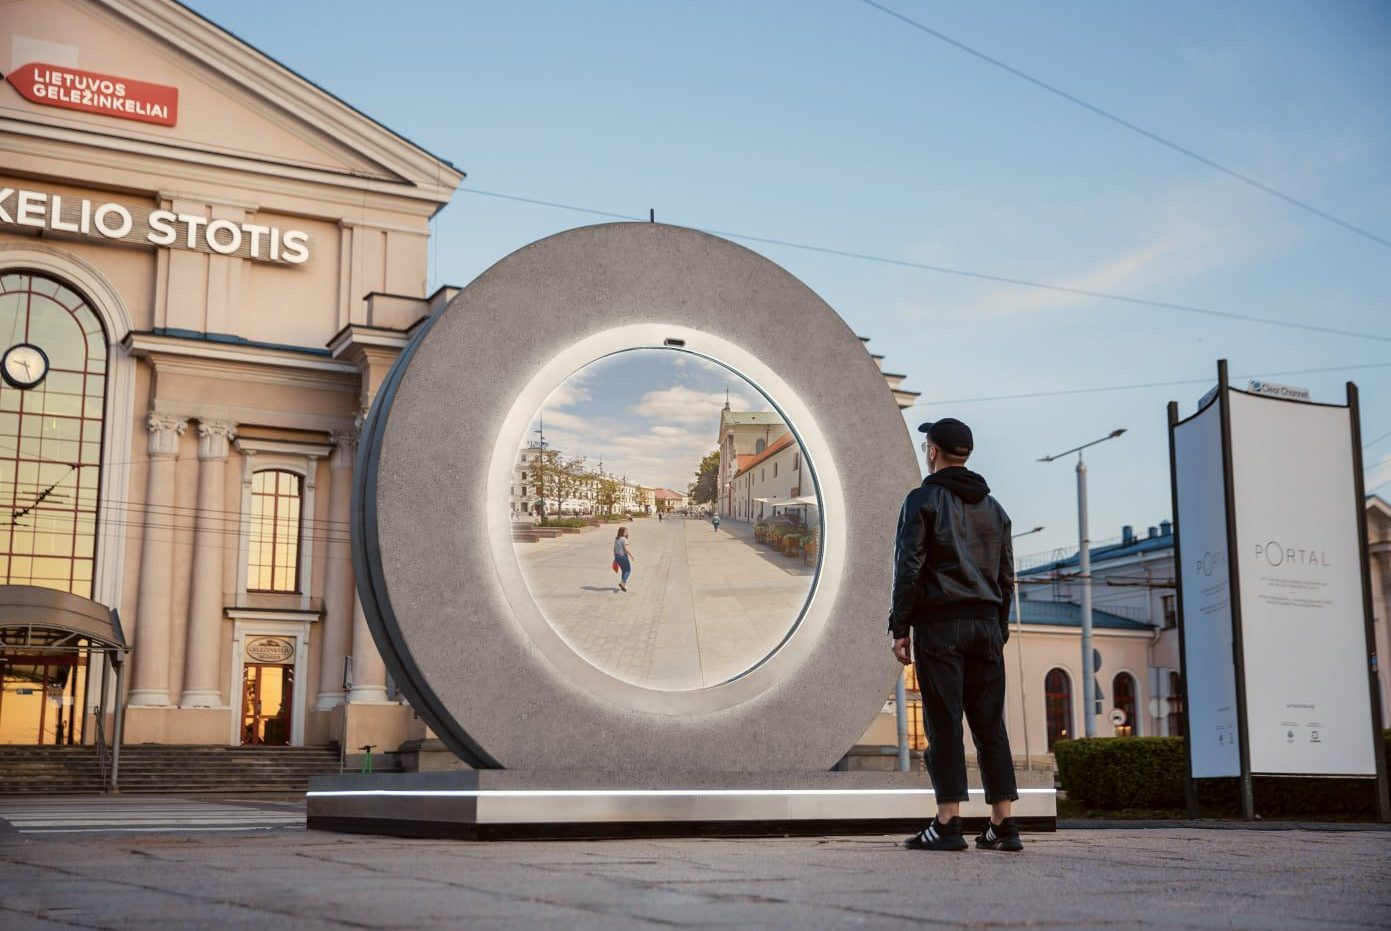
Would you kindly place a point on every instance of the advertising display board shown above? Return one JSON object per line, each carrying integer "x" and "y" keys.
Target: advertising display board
{"x": 1298, "y": 557}
{"x": 1274, "y": 596}
{"x": 1207, "y": 604}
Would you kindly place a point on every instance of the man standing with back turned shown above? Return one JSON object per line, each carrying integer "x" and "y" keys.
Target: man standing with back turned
{"x": 953, "y": 581}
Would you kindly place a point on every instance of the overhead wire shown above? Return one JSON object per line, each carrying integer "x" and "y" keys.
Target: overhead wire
{"x": 1027, "y": 395}
{"x": 1127, "y": 124}
{"x": 963, "y": 273}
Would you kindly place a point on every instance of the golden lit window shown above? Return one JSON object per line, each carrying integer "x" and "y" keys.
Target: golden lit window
{"x": 273, "y": 557}
{"x": 51, "y": 434}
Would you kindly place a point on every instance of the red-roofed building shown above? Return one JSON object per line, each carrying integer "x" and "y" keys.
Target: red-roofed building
{"x": 769, "y": 479}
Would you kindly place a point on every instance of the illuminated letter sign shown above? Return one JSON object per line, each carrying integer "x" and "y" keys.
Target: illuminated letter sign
{"x": 110, "y": 220}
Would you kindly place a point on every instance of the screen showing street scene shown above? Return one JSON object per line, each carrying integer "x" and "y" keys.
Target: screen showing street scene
{"x": 666, "y": 519}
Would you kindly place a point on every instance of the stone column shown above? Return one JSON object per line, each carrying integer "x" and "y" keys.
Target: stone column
{"x": 150, "y": 682}
{"x": 211, "y": 533}
{"x": 339, "y": 592}
{"x": 369, "y": 672}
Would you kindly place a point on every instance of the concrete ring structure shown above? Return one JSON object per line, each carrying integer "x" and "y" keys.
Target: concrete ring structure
{"x": 441, "y": 585}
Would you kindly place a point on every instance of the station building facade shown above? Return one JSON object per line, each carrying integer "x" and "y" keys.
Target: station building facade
{"x": 207, "y": 265}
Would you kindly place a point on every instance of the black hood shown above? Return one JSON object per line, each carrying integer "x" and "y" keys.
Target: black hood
{"x": 960, "y": 481}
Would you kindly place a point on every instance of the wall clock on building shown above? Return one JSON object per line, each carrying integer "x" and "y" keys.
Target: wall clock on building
{"x": 24, "y": 365}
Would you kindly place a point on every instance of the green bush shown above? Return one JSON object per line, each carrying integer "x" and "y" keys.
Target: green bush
{"x": 1119, "y": 773}
{"x": 1122, "y": 772}
{"x": 566, "y": 522}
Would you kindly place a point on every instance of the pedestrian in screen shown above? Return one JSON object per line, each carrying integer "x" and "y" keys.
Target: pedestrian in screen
{"x": 953, "y": 581}
{"x": 716, "y": 522}
{"x": 623, "y": 557}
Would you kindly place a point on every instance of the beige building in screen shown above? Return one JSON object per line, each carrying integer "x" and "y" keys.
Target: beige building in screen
{"x": 207, "y": 265}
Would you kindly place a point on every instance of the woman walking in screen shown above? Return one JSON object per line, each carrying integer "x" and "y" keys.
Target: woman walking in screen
{"x": 622, "y": 557}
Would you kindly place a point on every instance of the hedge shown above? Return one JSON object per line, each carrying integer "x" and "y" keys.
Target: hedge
{"x": 1119, "y": 773}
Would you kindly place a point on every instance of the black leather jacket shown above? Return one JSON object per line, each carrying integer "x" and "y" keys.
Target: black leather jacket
{"x": 953, "y": 558}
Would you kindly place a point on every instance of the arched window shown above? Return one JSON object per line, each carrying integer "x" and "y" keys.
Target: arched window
{"x": 758, "y": 447}
{"x": 52, "y": 400}
{"x": 1175, "y": 705}
{"x": 1057, "y": 697}
{"x": 1123, "y": 696}
{"x": 273, "y": 556}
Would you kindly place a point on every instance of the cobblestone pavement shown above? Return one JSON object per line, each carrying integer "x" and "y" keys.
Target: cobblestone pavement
{"x": 701, "y": 607}
{"x": 291, "y": 878}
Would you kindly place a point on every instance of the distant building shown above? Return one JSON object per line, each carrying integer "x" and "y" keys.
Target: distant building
{"x": 667, "y": 500}
{"x": 1135, "y": 630}
{"x": 772, "y": 478}
{"x": 745, "y": 435}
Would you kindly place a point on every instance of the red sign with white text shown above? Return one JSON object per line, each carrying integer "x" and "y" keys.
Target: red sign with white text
{"x": 90, "y": 92}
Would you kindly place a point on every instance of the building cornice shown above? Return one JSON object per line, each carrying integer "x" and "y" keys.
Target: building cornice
{"x": 1064, "y": 630}
{"x": 103, "y": 153}
{"x": 253, "y": 445}
{"x": 356, "y": 335}
{"x": 207, "y": 356}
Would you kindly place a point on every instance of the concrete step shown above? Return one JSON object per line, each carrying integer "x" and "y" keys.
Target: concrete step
{"x": 166, "y": 768}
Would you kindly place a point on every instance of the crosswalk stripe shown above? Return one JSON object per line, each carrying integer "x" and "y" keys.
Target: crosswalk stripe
{"x": 118, "y": 816}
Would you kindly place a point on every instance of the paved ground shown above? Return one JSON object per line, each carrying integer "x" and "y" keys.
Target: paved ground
{"x": 701, "y": 608}
{"x": 286, "y": 877}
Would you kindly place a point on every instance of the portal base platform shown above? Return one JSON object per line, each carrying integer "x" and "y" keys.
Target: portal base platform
{"x": 504, "y": 804}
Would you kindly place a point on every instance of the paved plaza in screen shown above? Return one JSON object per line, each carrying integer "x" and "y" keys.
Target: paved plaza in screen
{"x": 702, "y": 606}
{"x": 133, "y": 862}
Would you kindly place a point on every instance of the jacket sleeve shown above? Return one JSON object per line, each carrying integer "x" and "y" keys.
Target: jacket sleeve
{"x": 910, "y": 552}
{"x": 1006, "y": 579}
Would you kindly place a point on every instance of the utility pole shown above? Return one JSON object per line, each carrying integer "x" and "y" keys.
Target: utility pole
{"x": 541, "y": 431}
{"x": 1084, "y": 566}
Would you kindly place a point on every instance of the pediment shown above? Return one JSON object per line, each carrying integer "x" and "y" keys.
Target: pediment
{"x": 233, "y": 101}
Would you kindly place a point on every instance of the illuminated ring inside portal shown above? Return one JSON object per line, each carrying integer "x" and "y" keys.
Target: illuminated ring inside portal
{"x": 811, "y": 617}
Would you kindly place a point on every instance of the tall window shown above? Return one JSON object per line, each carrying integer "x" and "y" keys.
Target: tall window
{"x": 50, "y": 434}
{"x": 273, "y": 560}
{"x": 1123, "y": 694}
{"x": 1175, "y": 705}
{"x": 1170, "y": 603}
{"x": 1057, "y": 697}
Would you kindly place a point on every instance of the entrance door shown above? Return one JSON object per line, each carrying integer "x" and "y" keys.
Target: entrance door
{"x": 41, "y": 697}
{"x": 268, "y": 693}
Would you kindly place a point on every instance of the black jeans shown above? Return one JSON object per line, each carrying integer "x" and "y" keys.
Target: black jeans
{"x": 961, "y": 667}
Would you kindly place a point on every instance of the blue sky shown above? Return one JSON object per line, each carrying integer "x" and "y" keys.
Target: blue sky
{"x": 649, "y": 414}
{"x": 830, "y": 123}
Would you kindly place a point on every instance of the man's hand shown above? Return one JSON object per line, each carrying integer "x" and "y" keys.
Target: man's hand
{"x": 903, "y": 651}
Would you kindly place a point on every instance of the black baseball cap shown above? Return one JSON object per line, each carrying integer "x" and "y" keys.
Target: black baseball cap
{"x": 949, "y": 435}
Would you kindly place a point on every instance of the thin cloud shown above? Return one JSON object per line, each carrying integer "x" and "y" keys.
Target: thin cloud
{"x": 682, "y": 405}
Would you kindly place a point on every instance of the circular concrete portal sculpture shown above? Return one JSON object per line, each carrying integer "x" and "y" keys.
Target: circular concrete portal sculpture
{"x": 440, "y": 583}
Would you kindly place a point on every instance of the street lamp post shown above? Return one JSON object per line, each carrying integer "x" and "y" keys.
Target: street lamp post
{"x": 1084, "y": 568}
{"x": 1019, "y": 653}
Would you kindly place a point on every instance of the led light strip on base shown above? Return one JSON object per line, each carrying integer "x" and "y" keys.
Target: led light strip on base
{"x": 628, "y": 793}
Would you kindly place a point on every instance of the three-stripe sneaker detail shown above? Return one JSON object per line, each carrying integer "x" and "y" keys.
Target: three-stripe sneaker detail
{"x": 938, "y": 836}
{"x": 1002, "y": 836}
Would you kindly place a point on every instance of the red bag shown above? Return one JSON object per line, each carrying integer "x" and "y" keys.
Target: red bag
{"x": 616, "y": 566}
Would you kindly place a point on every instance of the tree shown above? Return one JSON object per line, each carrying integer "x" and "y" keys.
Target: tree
{"x": 569, "y": 478}
{"x": 607, "y": 493}
{"x": 547, "y": 471}
{"x": 706, "y": 486}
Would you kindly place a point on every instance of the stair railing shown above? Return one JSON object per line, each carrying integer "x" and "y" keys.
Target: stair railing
{"x": 103, "y": 752}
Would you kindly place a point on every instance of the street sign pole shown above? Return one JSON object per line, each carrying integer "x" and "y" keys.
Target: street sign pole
{"x": 1085, "y": 569}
